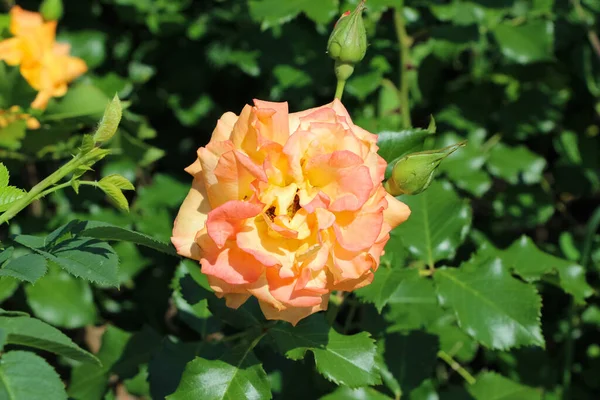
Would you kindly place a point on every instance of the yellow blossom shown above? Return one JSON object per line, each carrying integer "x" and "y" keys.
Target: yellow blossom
{"x": 45, "y": 64}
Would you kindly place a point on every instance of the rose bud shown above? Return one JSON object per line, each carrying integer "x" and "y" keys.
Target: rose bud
{"x": 412, "y": 174}
{"x": 348, "y": 41}
{"x": 51, "y": 10}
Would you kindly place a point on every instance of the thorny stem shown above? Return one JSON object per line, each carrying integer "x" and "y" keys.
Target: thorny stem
{"x": 592, "y": 228}
{"x": 457, "y": 367}
{"x": 51, "y": 180}
{"x": 62, "y": 186}
{"x": 404, "y": 42}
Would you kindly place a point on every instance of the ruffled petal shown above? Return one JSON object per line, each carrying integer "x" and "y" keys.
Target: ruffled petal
{"x": 191, "y": 218}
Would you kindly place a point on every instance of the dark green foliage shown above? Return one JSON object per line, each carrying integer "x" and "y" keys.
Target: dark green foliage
{"x": 488, "y": 291}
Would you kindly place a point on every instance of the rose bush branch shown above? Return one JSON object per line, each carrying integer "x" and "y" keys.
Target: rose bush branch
{"x": 88, "y": 155}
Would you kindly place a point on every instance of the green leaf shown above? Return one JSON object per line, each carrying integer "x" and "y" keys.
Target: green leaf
{"x": 491, "y": 386}
{"x": 119, "y": 181}
{"x": 496, "y": 309}
{"x": 531, "y": 264}
{"x": 439, "y": 223}
{"x": 364, "y": 393}
{"x": 275, "y": 12}
{"x": 4, "y": 176}
{"x": 8, "y": 195}
{"x": 531, "y": 41}
{"x": 393, "y": 145}
{"x": 387, "y": 377}
{"x": 106, "y": 231}
{"x": 425, "y": 391}
{"x": 89, "y": 381}
{"x": 62, "y": 300}
{"x": 29, "y": 267}
{"x": 6, "y": 254}
{"x": 6, "y": 313}
{"x": 110, "y": 121}
{"x": 345, "y": 360}
{"x": 81, "y": 100}
{"x": 453, "y": 340}
{"x": 384, "y": 285}
{"x": 236, "y": 375}
{"x": 31, "y": 332}
{"x": 509, "y": 163}
{"x": 7, "y": 287}
{"x": 411, "y": 358}
{"x": 138, "y": 385}
{"x": 137, "y": 352}
{"x": 414, "y": 304}
{"x": 194, "y": 313}
{"x": 167, "y": 364}
{"x": 85, "y": 258}
{"x": 11, "y": 135}
{"x": 115, "y": 195}
{"x": 24, "y": 375}
{"x": 465, "y": 167}
{"x": 87, "y": 144}
{"x": 90, "y": 45}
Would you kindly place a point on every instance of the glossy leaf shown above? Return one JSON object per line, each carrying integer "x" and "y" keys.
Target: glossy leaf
{"x": 29, "y": 268}
{"x": 62, "y": 300}
{"x": 89, "y": 259}
{"x": 24, "y": 375}
{"x": 525, "y": 43}
{"x": 413, "y": 305}
{"x": 167, "y": 364}
{"x": 345, "y": 360}
{"x": 384, "y": 285}
{"x": 8, "y": 195}
{"x": 439, "y": 222}
{"x": 238, "y": 374}
{"x": 393, "y": 145}
{"x": 510, "y": 163}
{"x": 532, "y": 264}
{"x": 80, "y": 101}
{"x": 476, "y": 293}
{"x": 34, "y": 333}
{"x": 492, "y": 386}
{"x": 364, "y": 393}
{"x": 465, "y": 167}
{"x": 105, "y": 231}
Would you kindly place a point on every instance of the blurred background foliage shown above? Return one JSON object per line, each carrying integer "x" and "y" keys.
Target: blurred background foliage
{"x": 520, "y": 79}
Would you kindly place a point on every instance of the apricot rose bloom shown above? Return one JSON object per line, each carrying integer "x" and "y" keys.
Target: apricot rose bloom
{"x": 45, "y": 64}
{"x": 287, "y": 208}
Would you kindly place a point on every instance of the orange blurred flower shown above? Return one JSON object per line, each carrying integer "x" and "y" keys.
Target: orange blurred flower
{"x": 45, "y": 64}
{"x": 15, "y": 113}
{"x": 287, "y": 208}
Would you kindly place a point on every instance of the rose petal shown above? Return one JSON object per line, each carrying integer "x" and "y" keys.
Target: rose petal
{"x": 228, "y": 219}
{"x": 396, "y": 212}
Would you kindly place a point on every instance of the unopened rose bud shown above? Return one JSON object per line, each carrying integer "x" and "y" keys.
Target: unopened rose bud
{"x": 51, "y": 10}
{"x": 348, "y": 40}
{"x": 412, "y": 174}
